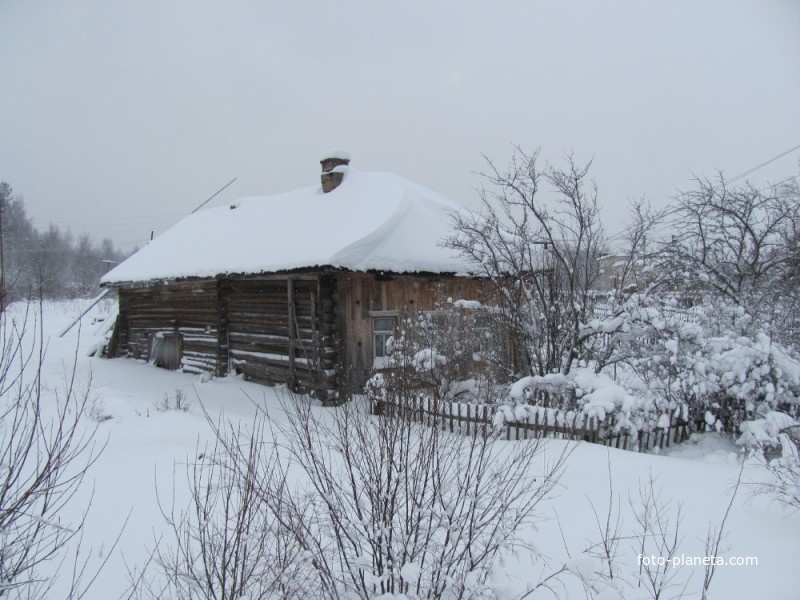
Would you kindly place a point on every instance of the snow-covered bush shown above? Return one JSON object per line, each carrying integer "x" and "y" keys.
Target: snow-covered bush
{"x": 403, "y": 508}
{"x": 768, "y": 433}
{"x": 711, "y": 359}
{"x": 708, "y": 364}
{"x": 451, "y": 353}
{"x": 775, "y": 440}
{"x": 692, "y": 327}
{"x": 737, "y": 243}
{"x": 582, "y": 395}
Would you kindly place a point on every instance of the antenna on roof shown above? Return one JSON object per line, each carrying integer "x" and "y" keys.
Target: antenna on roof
{"x": 214, "y": 195}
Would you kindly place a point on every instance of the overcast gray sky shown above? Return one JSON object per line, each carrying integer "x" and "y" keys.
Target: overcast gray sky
{"x": 120, "y": 117}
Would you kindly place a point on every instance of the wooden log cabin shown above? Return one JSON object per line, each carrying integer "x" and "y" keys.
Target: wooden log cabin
{"x": 301, "y": 288}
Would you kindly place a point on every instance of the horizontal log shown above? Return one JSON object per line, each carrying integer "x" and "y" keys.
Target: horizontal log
{"x": 190, "y": 340}
{"x": 167, "y": 291}
{"x": 171, "y": 324}
{"x": 268, "y": 308}
{"x": 242, "y": 317}
{"x": 277, "y": 359}
{"x": 271, "y": 375}
{"x": 256, "y": 338}
{"x": 207, "y": 349}
{"x": 305, "y": 330}
{"x": 207, "y": 365}
{"x": 199, "y": 317}
{"x": 242, "y": 338}
{"x": 204, "y": 301}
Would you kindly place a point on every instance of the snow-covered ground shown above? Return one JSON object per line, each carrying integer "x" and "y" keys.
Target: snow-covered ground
{"x": 147, "y": 448}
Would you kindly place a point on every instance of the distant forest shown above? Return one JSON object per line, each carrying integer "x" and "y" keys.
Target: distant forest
{"x": 50, "y": 264}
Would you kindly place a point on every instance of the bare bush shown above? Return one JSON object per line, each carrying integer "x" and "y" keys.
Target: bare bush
{"x": 403, "y": 507}
{"x": 541, "y": 255}
{"x": 97, "y": 412}
{"x": 784, "y": 485}
{"x": 541, "y": 260}
{"x": 350, "y": 505}
{"x": 657, "y": 534}
{"x": 46, "y": 450}
{"x": 176, "y": 402}
{"x": 656, "y": 537}
{"x": 226, "y": 544}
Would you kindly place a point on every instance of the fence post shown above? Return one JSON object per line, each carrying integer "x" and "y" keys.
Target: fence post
{"x": 669, "y": 430}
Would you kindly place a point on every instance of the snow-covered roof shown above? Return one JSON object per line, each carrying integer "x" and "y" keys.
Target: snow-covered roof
{"x": 371, "y": 221}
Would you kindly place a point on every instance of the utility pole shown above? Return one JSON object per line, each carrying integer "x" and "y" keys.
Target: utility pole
{"x": 4, "y": 191}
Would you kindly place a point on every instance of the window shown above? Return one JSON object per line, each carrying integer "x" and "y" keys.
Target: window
{"x": 382, "y": 329}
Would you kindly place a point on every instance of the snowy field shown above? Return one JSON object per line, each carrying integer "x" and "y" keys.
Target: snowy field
{"x": 148, "y": 449}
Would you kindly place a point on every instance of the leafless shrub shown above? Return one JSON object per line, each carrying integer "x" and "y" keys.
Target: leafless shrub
{"x": 402, "y": 507}
{"x": 97, "y": 412}
{"x": 657, "y": 533}
{"x": 785, "y": 483}
{"x": 714, "y": 537}
{"x": 541, "y": 254}
{"x": 176, "y": 402}
{"x": 349, "y": 505}
{"x": 655, "y": 538}
{"x": 46, "y": 450}
{"x": 541, "y": 260}
{"x": 226, "y": 544}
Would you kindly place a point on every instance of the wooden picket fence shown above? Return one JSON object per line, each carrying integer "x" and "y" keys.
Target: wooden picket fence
{"x": 474, "y": 419}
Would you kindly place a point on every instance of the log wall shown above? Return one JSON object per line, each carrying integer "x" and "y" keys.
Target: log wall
{"x": 189, "y": 309}
{"x": 313, "y": 332}
{"x": 282, "y": 330}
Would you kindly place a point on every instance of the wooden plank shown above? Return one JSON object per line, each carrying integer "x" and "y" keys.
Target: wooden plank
{"x": 292, "y": 326}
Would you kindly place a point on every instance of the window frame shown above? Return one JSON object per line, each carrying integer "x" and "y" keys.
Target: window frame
{"x": 380, "y": 361}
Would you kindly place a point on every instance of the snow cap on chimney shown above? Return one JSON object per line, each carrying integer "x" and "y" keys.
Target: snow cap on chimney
{"x": 334, "y": 164}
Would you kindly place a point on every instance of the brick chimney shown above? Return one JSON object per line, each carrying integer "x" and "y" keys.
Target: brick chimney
{"x": 334, "y": 164}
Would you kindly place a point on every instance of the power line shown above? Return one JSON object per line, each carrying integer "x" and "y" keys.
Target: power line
{"x": 764, "y": 164}
{"x": 214, "y": 195}
{"x": 622, "y": 233}
{"x": 118, "y": 219}
{"x": 782, "y": 181}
